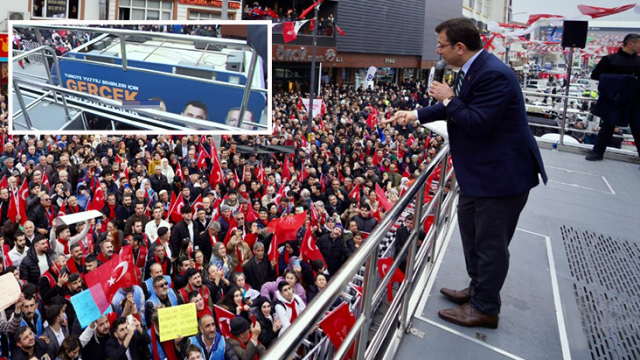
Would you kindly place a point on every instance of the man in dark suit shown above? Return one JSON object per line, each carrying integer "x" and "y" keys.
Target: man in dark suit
{"x": 185, "y": 229}
{"x": 497, "y": 162}
{"x": 128, "y": 342}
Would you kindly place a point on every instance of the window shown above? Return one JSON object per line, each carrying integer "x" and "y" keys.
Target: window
{"x": 145, "y": 10}
{"x": 58, "y": 9}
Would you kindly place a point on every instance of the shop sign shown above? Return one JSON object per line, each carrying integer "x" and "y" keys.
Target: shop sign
{"x": 211, "y": 3}
{"x": 304, "y": 54}
{"x": 389, "y": 61}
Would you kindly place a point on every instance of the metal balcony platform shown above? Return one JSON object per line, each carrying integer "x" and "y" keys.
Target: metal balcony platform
{"x": 572, "y": 289}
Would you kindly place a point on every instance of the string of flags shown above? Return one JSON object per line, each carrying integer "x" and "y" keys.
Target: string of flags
{"x": 515, "y": 33}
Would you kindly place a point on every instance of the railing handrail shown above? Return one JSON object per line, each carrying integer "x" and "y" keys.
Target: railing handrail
{"x": 307, "y": 320}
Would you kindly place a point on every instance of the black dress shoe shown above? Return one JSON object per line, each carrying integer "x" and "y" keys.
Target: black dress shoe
{"x": 593, "y": 157}
{"x": 467, "y": 315}
{"x": 459, "y": 296}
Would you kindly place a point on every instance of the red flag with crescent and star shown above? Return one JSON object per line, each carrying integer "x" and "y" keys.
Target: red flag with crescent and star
{"x": 309, "y": 249}
{"x": 223, "y": 319}
{"x": 176, "y": 212}
{"x": 104, "y": 282}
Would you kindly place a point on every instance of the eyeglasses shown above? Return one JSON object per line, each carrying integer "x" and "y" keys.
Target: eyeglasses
{"x": 239, "y": 218}
{"x": 440, "y": 47}
{"x": 46, "y": 199}
{"x": 164, "y": 284}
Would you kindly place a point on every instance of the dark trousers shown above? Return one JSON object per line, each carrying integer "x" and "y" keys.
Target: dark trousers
{"x": 606, "y": 132}
{"x": 486, "y": 227}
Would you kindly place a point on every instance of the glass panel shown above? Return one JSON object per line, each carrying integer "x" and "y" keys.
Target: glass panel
{"x": 153, "y": 15}
{"x": 139, "y": 3}
{"x": 125, "y": 2}
{"x": 167, "y": 5}
{"x": 193, "y": 16}
{"x": 166, "y": 16}
{"x": 137, "y": 14}
{"x": 153, "y": 4}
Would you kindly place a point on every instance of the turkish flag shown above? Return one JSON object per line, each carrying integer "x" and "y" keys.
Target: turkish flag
{"x": 104, "y": 282}
{"x": 197, "y": 204}
{"x": 336, "y": 326}
{"x": 216, "y": 172}
{"x": 285, "y": 170}
{"x": 260, "y": 175}
{"x": 230, "y": 232}
{"x": 428, "y": 223}
{"x": 382, "y": 198}
{"x": 281, "y": 192}
{"x": 45, "y": 179}
{"x": 598, "y": 12}
{"x": 223, "y": 320}
{"x": 12, "y": 212}
{"x": 3, "y": 183}
{"x": 406, "y": 173}
{"x": 63, "y": 210}
{"x": 23, "y": 194}
{"x": 202, "y": 162}
{"x": 97, "y": 203}
{"x": 273, "y": 253}
{"x": 176, "y": 211}
{"x": 289, "y": 32}
{"x": 309, "y": 249}
{"x": 338, "y": 28}
{"x": 250, "y": 215}
{"x": 24, "y": 191}
{"x": 179, "y": 172}
{"x": 355, "y": 194}
{"x": 383, "y": 268}
{"x": 315, "y": 218}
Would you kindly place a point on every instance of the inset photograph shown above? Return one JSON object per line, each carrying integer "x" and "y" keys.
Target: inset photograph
{"x": 153, "y": 77}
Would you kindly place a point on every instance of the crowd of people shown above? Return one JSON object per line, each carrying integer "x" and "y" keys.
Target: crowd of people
{"x": 214, "y": 250}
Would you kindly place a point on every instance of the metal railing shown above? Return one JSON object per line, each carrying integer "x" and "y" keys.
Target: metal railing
{"x": 417, "y": 261}
{"x": 121, "y": 33}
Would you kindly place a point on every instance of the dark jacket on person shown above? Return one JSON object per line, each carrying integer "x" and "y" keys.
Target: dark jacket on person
{"x": 95, "y": 348}
{"x": 40, "y": 349}
{"x": 138, "y": 348}
{"x": 259, "y": 273}
{"x": 29, "y": 269}
{"x": 617, "y": 97}
{"x": 367, "y": 224}
{"x": 178, "y": 233}
{"x": 335, "y": 252}
{"x": 267, "y": 335}
{"x": 39, "y": 216}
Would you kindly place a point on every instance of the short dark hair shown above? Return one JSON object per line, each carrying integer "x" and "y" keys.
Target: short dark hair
{"x": 281, "y": 285}
{"x": 630, "y": 38}
{"x": 461, "y": 30}
{"x": 198, "y": 104}
{"x": 192, "y": 294}
{"x": 186, "y": 209}
{"x": 119, "y": 321}
{"x": 52, "y": 312}
{"x": 90, "y": 259}
{"x": 191, "y": 272}
{"x": 18, "y": 334}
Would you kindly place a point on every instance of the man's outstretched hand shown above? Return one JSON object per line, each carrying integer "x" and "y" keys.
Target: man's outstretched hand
{"x": 402, "y": 118}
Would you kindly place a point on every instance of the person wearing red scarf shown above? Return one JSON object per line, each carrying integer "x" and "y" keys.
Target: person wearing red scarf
{"x": 288, "y": 305}
{"x": 244, "y": 339}
{"x": 201, "y": 308}
{"x": 52, "y": 282}
{"x": 75, "y": 264}
{"x": 61, "y": 238}
{"x": 159, "y": 256}
{"x": 106, "y": 251}
{"x": 195, "y": 284}
{"x": 239, "y": 250}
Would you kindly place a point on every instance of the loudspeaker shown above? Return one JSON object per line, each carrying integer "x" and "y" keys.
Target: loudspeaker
{"x": 574, "y": 34}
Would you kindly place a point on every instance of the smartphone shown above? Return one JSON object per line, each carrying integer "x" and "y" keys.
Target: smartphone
{"x": 253, "y": 320}
{"x": 296, "y": 263}
{"x": 129, "y": 319}
{"x": 197, "y": 247}
{"x": 126, "y": 186}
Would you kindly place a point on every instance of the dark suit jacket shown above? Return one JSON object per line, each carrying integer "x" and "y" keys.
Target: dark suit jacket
{"x": 138, "y": 348}
{"x": 180, "y": 232}
{"x": 493, "y": 150}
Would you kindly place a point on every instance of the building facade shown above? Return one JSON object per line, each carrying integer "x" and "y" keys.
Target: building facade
{"x": 407, "y": 54}
{"x": 117, "y": 10}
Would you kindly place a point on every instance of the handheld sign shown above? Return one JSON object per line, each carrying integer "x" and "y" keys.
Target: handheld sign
{"x": 10, "y": 290}
{"x": 79, "y": 217}
{"x": 86, "y": 308}
{"x": 177, "y": 321}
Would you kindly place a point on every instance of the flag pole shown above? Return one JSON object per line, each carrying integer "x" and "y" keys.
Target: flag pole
{"x": 313, "y": 72}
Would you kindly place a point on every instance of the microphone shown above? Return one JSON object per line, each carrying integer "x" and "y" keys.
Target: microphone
{"x": 439, "y": 73}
